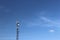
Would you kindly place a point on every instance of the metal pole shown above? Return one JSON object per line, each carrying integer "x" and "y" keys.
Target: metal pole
{"x": 17, "y": 30}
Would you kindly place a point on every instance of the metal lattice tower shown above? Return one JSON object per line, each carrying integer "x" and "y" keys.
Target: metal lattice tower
{"x": 17, "y": 30}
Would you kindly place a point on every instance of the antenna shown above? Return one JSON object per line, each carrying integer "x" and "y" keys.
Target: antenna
{"x": 17, "y": 30}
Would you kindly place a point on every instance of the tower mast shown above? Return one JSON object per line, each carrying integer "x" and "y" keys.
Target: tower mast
{"x": 17, "y": 30}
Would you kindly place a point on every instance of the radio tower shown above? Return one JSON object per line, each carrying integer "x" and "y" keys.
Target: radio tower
{"x": 17, "y": 30}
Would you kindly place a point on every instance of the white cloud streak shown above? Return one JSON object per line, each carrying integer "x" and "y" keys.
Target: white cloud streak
{"x": 43, "y": 22}
{"x": 53, "y": 23}
{"x": 51, "y": 30}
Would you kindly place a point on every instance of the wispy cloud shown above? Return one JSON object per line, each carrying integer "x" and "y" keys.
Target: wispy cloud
{"x": 45, "y": 19}
{"x": 51, "y": 30}
{"x": 5, "y": 9}
{"x": 1, "y": 7}
{"x": 50, "y": 22}
{"x": 43, "y": 22}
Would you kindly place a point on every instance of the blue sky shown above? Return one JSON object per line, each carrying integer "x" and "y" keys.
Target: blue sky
{"x": 39, "y": 19}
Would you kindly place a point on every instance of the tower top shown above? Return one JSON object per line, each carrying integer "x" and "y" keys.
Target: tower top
{"x": 17, "y": 23}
